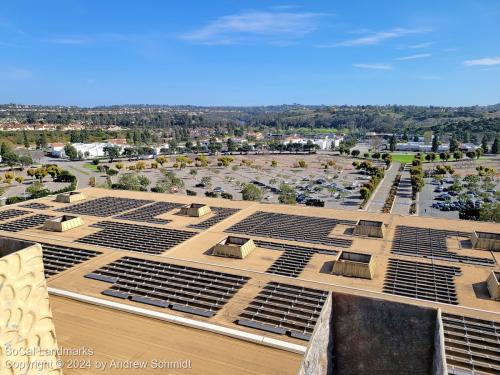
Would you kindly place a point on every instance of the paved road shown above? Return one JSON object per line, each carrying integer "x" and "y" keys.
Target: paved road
{"x": 382, "y": 193}
{"x": 402, "y": 202}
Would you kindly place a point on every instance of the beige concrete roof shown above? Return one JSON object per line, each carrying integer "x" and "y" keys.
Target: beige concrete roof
{"x": 73, "y": 318}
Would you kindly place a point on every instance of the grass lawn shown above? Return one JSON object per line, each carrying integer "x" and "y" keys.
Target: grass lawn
{"x": 91, "y": 167}
{"x": 403, "y": 158}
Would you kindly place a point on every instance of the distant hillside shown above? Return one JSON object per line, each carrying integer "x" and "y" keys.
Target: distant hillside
{"x": 385, "y": 119}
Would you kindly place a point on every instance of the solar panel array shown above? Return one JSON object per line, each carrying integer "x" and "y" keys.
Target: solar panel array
{"x": 187, "y": 289}
{"x": 425, "y": 281}
{"x": 148, "y": 213}
{"x": 36, "y": 205}
{"x": 60, "y": 258}
{"x": 471, "y": 345}
{"x": 24, "y": 223}
{"x": 292, "y": 227}
{"x": 221, "y": 213}
{"x": 105, "y": 206}
{"x": 12, "y": 212}
{"x": 283, "y": 308}
{"x": 431, "y": 243}
{"x": 135, "y": 237}
{"x": 294, "y": 258}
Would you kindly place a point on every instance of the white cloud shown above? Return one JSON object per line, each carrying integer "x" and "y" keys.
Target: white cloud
{"x": 487, "y": 61}
{"x": 378, "y": 66}
{"x": 414, "y": 57}
{"x": 250, "y": 25}
{"x": 421, "y": 45}
{"x": 375, "y": 38}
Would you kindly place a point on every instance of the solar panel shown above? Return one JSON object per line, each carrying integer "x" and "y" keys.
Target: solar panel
{"x": 294, "y": 258}
{"x": 283, "y": 308}
{"x": 60, "y": 258}
{"x": 12, "y": 212}
{"x": 148, "y": 213}
{"x": 182, "y": 288}
{"x": 24, "y": 223}
{"x": 471, "y": 345}
{"x": 105, "y": 206}
{"x": 292, "y": 227}
{"x": 135, "y": 237}
{"x": 425, "y": 281}
{"x": 36, "y": 205}
{"x": 431, "y": 243}
{"x": 220, "y": 213}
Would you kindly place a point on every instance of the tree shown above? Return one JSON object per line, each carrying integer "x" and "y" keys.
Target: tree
{"x": 435, "y": 143}
{"x": 41, "y": 142}
{"x": 25, "y": 160}
{"x": 302, "y": 164}
{"x": 119, "y": 166}
{"x": 225, "y": 160}
{"x": 19, "y": 179}
{"x": 250, "y": 192}
{"x": 10, "y": 158}
{"x": 36, "y": 189}
{"x": 70, "y": 152}
{"x": 207, "y": 181}
{"x": 287, "y": 194}
{"x": 112, "y": 152}
{"x": 355, "y": 153}
{"x": 365, "y": 193}
{"x": 453, "y": 144}
{"x": 457, "y": 155}
{"x": 231, "y": 145}
{"x": 26, "y": 140}
{"x": 140, "y": 165}
{"x": 274, "y": 163}
{"x": 167, "y": 182}
{"x": 484, "y": 144}
{"x": 392, "y": 143}
{"x": 132, "y": 181}
{"x": 495, "y": 148}
{"x": 161, "y": 160}
{"x": 470, "y": 154}
{"x": 490, "y": 212}
{"x": 54, "y": 171}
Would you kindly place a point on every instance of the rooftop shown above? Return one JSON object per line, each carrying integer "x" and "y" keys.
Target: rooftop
{"x": 137, "y": 272}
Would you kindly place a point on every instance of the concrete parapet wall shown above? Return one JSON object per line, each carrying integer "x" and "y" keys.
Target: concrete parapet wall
{"x": 27, "y": 335}
{"x": 317, "y": 360}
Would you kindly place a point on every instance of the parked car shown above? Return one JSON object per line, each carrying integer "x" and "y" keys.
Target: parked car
{"x": 218, "y": 189}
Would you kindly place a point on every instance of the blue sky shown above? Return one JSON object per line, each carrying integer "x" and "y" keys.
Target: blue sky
{"x": 93, "y": 52}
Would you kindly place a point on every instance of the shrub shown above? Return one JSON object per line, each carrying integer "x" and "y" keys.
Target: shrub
{"x": 226, "y": 196}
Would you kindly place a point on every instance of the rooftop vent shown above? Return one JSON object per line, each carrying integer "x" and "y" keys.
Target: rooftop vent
{"x": 370, "y": 228}
{"x": 62, "y": 223}
{"x": 234, "y": 247}
{"x": 493, "y": 282}
{"x": 195, "y": 210}
{"x": 486, "y": 241}
{"x": 354, "y": 265}
{"x": 71, "y": 197}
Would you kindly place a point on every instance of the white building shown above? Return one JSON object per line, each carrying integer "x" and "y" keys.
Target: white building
{"x": 86, "y": 150}
{"x": 324, "y": 143}
{"x": 420, "y": 147}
